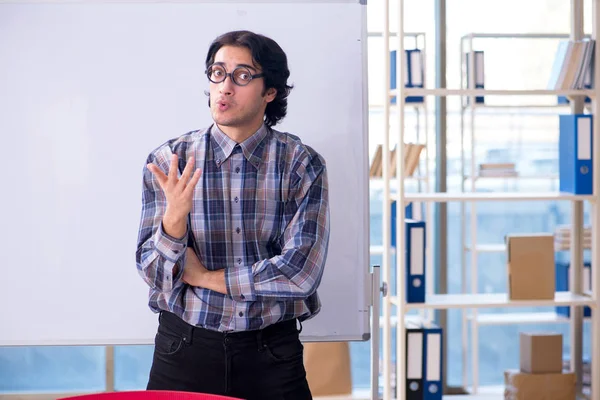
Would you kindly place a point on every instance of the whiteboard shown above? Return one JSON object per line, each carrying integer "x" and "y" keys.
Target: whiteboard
{"x": 88, "y": 89}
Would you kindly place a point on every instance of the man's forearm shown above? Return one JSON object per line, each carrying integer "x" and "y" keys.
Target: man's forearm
{"x": 196, "y": 274}
{"x": 174, "y": 226}
{"x": 214, "y": 280}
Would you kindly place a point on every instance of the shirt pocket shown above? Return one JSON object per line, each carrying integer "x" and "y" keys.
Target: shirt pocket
{"x": 270, "y": 209}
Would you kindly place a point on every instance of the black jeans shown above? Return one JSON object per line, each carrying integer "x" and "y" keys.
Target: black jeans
{"x": 265, "y": 364}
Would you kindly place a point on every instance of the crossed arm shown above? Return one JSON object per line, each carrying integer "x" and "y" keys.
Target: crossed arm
{"x": 195, "y": 274}
{"x": 165, "y": 261}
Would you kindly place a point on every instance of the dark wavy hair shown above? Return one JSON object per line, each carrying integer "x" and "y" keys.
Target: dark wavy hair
{"x": 267, "y": 55}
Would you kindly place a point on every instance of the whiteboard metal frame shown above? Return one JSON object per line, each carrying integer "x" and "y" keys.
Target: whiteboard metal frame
{"x": 366, "y": 328}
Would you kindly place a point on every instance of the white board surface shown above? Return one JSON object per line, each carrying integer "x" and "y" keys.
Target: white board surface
{"x": 88, "y": 90}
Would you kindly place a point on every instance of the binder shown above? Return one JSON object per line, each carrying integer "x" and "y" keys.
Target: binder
{"x": 433, "y": 353}
{"x": 410, "y": 212}
{"x": 414, "y": 361}
{"x": 562, "y": 285}
{"x": 414, "y": 73}
{"x": 415, "y": 261}
{"x": 479, "y": 73}
{"x": 575, "y": 154}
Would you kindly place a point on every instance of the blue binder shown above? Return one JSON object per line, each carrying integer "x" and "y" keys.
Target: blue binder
{"x": 479, "y": 73}
{"x": 415, "y": 261}
{"x": 562, "y": 285}
{"x": 414, "y": 73}
{"x": 432, "y": 366}
{"x": 575, "y": 154}
{"x": 408, "y": 213}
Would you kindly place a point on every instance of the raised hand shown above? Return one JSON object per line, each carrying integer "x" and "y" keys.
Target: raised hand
{"x": 179, "y": 193}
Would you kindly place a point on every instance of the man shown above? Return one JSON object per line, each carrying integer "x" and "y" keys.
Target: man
{"x": 234, "y": 235}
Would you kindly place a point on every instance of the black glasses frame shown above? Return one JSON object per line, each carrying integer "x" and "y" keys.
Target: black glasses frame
{"x": 230, "y": 74}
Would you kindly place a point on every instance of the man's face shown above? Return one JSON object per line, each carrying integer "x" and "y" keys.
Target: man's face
{"x": 239, "y": 108}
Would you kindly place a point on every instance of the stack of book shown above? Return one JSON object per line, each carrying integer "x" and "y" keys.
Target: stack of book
{"x": 412, "y": 153}
{"x": 572, "y": 68}
{"x": 497, "y": 170}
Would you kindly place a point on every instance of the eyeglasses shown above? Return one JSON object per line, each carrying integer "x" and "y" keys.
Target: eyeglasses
{"x": 241, "y": 76}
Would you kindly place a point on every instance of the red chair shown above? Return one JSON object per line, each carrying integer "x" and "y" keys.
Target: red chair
{"x": 149, "y": 395}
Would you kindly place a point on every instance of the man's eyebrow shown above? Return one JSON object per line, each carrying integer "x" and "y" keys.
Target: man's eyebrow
{"x": 247, "y": 66}
{"x": 239, "y": 65}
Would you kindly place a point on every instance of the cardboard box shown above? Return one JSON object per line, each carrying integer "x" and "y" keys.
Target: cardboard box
{"x": 531, "y": 266}
{"x": 522, "y": 386}
{"x": 541, "y": 353}
{"x": 327, "y": 367}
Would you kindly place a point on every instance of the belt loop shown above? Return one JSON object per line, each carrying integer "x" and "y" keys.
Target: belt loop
{"x": 299, "y": 322}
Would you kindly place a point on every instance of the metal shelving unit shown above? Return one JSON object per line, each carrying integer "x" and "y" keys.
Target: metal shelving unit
{"x": 471, "y": 318}
{"x": 396, "y": 306}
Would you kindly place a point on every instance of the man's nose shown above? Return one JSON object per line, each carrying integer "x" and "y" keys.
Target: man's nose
{"x": 227, "y": 86}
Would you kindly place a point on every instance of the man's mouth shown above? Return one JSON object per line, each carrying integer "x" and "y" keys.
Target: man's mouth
{"x": 223, "y": 105}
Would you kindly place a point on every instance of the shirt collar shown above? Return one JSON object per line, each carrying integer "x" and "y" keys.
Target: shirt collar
{"x": 251, "y": 148}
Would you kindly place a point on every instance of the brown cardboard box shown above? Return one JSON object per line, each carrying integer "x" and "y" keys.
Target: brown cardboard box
{"x": 531, "y": 274}
{"x": 541, "y": 353}
{"x": 327, "y": 367}
{"x": 521, "y": 386}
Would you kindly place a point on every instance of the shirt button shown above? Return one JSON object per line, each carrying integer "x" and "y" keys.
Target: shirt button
{"x": 236, "y": 199}
{"x": 242, "y": 296}
{"x": 237, "y": 169}
{"x": 241, "y": 314}
{"x": 238, "y": 230}
{"x": 218, "y": 161}
{"x": 239, "y": 260}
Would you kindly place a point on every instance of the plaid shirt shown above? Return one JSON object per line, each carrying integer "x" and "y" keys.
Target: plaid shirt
{"x": 260, "y": 211}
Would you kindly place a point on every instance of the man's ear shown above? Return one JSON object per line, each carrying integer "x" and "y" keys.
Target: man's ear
{"x": 270, "y": 95}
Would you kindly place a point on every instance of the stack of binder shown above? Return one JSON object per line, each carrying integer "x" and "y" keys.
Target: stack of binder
{"x": 424, "y": 355}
